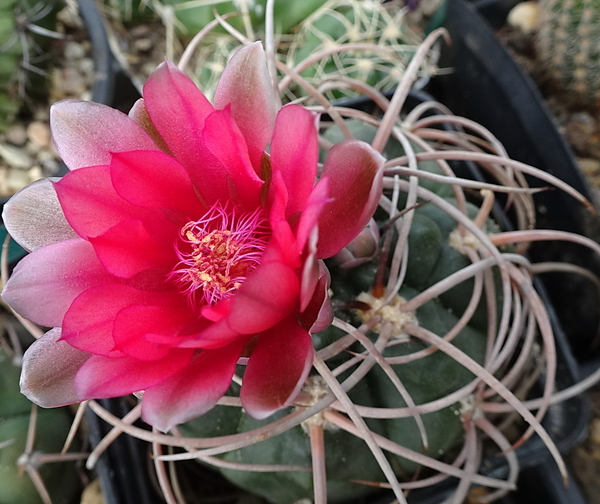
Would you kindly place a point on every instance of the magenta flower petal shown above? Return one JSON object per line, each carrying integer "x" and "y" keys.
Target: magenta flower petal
{"x": 318, "y": 315}
{"x": 178, "y": 110}
{"x": 82, "y": 138}
{"x": 263, "y": 300}
{"x": 112, "y": 377}
{"x": 49, "y": 368}
{"x": 295, "y": 152}
{"x": 246, "y": 87}
{"x": 88, "y": 323}
{"x": 277, "y": 368}
{"x": 34, "y": 218}
{"x": 92, "y": 206}
{"x": 153, "y": 180}
{"x": 136, "y": 325}
{"x": 127, "y": 249}
{"x": 355, "y": 173}
{"x": 226, "y": 142}
{"x": 45, "y": 283}
{"x": 192, "y": 391}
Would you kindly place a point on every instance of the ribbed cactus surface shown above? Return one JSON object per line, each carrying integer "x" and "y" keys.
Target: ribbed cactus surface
{"x": 569, "y": 45}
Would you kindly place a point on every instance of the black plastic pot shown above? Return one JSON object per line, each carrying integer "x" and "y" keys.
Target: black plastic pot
{"x": 487, "y": 85}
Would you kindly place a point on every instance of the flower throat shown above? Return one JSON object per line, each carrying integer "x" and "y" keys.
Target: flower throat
{"x": 219, "y": 251}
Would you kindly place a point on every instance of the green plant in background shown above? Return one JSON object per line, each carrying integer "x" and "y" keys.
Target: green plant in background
{"x": 24, "y": 475}
{"x": 569, "y": 45}
{"x": 25, "y": 27}
{"x": 308, "y": 37}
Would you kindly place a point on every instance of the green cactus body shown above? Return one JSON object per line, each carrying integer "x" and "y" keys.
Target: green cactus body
{"x": 569, "y": 45}
{"x": 52, "y": 428}
{"x": 427, "y": 379}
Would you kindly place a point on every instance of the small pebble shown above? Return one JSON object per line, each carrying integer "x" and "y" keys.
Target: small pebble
{"x": 16, "y": 134}
{"x": 39, "y": 133}
{"x": 524, "y": 16}
{"x": 15, "y": 157}
{"x": 74, "y": 50}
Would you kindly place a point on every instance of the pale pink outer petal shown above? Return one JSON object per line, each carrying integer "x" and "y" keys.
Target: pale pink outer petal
{"x": 246, "y": 86}
{"x": 295, "y": 153}
{"x": 192, "y": 391}
{"x": 49, "y": 368}
{"x": 355, "y": 173}
{"x": 45, "y": 283}
{"x": 34, "y": 217}
{"x": 277, "y": 368}
{"x": 86, "y": 133}
{"x": 101, "y": 377}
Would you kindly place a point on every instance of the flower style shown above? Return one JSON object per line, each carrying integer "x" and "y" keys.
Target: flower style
{"x": 187, "y": 239}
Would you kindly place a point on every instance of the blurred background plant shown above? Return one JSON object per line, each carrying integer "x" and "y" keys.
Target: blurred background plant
{"x": 383, "y": 41}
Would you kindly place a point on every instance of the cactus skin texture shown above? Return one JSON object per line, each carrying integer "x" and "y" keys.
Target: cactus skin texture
{"x": 569, "y": 45}
{"x": 348, "y": 458}
{"x": 10, "y": 55}
{"x": 52, "y": 428}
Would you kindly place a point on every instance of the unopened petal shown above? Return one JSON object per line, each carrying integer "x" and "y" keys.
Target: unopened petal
{"x": 86, "y": 133}
{"x": 49, "y": 368}
{"x": 277, "y": 368}
{"x": 34, "y": 217}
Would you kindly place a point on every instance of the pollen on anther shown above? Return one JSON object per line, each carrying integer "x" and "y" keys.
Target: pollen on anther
{"x": 218, "y": 252}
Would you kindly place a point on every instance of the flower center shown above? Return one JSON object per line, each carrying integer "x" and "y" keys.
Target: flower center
{"x": 219, "y": 251}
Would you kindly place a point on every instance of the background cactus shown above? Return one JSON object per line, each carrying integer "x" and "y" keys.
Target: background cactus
{"x": 52, "y": 426}
{"x": 24, "y": 31}
{"x": 569, "y": 45}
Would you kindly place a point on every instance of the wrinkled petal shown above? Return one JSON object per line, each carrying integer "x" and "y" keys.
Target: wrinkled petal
{"x": 154, "y": 180}
{"x": 49, "y": 368}
{"x": 86, "y": 133}
{"x": 355, "y": 173}
{"x": 34, "y": 218}
{"x": 295, "y": 152}
{"x": 127, "y": 249}
{"x": 44, "y": 284}
{"x": 225, "y": 141}
{"x": 192, "y": 391}
{"x": 178, "y": 110}
{"x": 277, "y": 368}
{"x": 246, "y": 87}
{"x": 112, "y": 377}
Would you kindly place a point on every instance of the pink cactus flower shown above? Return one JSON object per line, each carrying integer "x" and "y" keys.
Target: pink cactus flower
{"x": 187, "y": 239}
